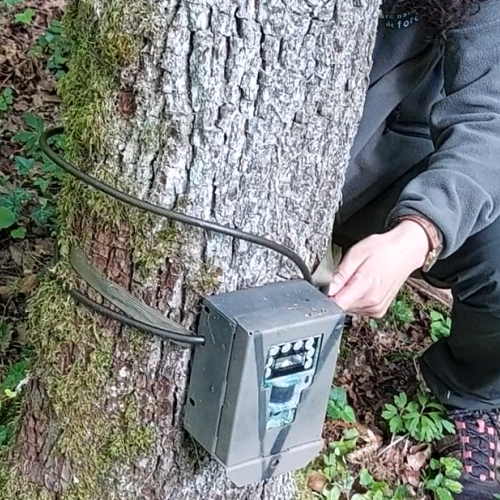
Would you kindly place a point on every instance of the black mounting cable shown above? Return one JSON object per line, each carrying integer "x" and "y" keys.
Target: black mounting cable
{"x": 168, "y": 214}
{"x": 164, "y": 212}
{"x": 158, "y": 332}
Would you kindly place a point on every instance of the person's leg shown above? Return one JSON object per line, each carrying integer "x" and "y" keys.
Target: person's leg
{"x": 464, "y": 369}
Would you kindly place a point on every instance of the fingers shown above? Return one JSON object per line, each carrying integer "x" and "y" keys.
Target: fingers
{"x": 345, "y": 271}
{"x": 366, "y": 297}
{"x": 351, "y": 295}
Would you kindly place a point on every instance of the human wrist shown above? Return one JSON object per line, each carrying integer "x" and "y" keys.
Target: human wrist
{"x": 434, "y": 237}
{"x": 415, "y": 241}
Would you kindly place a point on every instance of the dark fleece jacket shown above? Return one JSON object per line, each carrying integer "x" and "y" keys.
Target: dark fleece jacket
{"x": 438, "y": 98}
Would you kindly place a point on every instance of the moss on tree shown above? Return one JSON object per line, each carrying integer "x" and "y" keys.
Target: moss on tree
{"x": 74, "y": 352}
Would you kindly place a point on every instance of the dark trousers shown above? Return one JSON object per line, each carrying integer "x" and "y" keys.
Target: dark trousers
{"x": 462, "y": 370}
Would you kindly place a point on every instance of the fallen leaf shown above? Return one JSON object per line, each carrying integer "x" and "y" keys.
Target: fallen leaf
{"x": 17, "y": 254}
{"x": 28, "y": 283}
{"x": 416, "y": 461}
{"x": 7, "y": 291}
{"x": 317, "y": 482}
{"x": 21, "y": 333}
{"x": 417, "y": 456}
{"x": 412, "y": 477}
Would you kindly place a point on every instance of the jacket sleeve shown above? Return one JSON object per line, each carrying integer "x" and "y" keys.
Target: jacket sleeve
{"x": 460, "y": 190}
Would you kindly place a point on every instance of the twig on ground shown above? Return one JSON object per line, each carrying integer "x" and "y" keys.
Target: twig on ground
{"x": 391, "y": 444}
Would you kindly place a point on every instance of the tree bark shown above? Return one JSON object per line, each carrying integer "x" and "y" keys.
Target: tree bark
{"x": 235, "y": 111}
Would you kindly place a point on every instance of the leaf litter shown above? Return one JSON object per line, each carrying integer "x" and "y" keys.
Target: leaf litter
{"x": 27, "y": 89}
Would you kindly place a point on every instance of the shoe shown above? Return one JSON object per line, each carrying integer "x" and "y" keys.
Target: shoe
{"x": 476, "y": 446}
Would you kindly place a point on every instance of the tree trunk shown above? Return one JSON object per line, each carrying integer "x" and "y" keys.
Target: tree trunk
{"x": 235, "y": 111}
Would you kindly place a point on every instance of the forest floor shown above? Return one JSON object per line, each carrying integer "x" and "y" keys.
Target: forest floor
{"x": 366, "y": 454}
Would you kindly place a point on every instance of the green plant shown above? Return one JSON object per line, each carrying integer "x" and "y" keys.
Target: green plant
{"x": 7, "y": 217}
{"x": 52, "y": 42}
{"x": 340, "y": 479}
{"x": 31, "y": 189}
{"x": 13, "y": 377}
{"x": 6, "y": 99}
{"x": 29, "y": 138}
{"x": 402, "y": 312}
{"x": 424, "y": 419}
{"x": 11, "y": 3}
{"x": 379, "y": 490}
{"x": 25, "y": 17}
{"x": 338, "y": 407}
{"x": 440, "y": 326}
{"x": 443, "y": 477}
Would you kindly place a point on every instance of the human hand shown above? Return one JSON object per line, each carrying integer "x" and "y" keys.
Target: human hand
{"x": 372, "y": 272}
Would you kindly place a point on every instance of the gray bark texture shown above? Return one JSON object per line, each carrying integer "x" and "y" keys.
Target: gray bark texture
{"x": 244, "y": 113}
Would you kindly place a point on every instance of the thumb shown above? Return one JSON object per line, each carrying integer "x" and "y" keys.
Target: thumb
{"x": 343, "y": 274}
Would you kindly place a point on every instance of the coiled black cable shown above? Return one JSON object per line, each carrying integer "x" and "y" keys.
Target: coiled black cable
{"x": 171, "y": 215}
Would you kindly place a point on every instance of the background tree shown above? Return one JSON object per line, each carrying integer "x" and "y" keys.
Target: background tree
{"x": 240, "y": 112}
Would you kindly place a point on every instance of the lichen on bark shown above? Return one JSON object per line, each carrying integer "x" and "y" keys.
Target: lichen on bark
{"x": 236, "y": 111}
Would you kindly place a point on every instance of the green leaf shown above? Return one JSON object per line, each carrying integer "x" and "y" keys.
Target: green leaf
{"x": 401, "y": 400}
{"x": 453, "y": 474}
{"x": 436, "y": 316}
{"x": 389, "y": 412}
{"x": 28, "y": 139}
{"x": 18, "y": 233}
{"x": 434, "y": 464}
{"x": 24, "y": 165}
{"x": 33, "y": 121}
{"x": 350, "y": 434}
{"x": 444, "y": 494}
{"x": 412, "y": 426}
{"x": 25, "y": 17}
{"x": 437, "y": 406}
{"x": 7, "y": 217}
{"x": 448, "y": 426}
{"x": 42, "y": 184}
{"x": 431, "y": 484}
{"x": 427, "y": 422}
{"x": 43, "y": 213}
{"x": 51, "y": 168}
{"x": 453, "y": 486}
{"x": 396, "y": 425}
{"x": 413, "y": 407}
{"x": 7, "y": 97}
{"x": 348, "y": 415}
{"x": 365, "y": 478}
{"x": 411, "y": 415}
{"x": 10, "y": 394}
{"x": 15, "y": 374}
{"x": 422, "y": 399}
{"x": 15, "y": 200}
{"x": 4, "y": 434}
{"x": 339, "y": 395}
{"x": 333, "y": 494}
{"x": 439, "y": 478}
